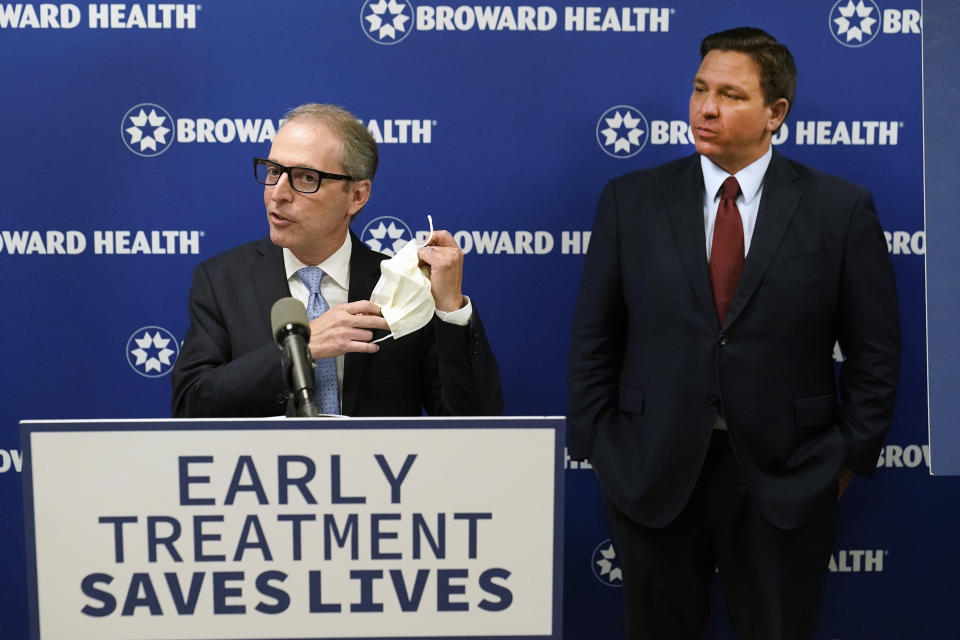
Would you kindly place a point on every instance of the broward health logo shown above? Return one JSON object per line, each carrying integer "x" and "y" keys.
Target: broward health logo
{"x": 854, "y": 25}
{"x": 605, "y": 566}
{"x": 151, "y": 351}
{"x": 622, "y": 131}
{"x": 147, "y": 130}
{"x": 386, "y": 21}
{"x": 386, "y": 234}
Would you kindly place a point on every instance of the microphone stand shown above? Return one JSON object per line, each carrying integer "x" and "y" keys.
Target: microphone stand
{"x": 304, "y": 405}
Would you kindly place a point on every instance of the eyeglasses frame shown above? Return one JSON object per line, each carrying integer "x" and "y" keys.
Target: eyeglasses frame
{"x": 323, "y": 175}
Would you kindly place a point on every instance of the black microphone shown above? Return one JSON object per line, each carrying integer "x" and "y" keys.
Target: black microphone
{"x": 288, "y": 317}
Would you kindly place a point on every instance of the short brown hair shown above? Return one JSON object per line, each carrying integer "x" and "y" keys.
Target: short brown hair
{"x": 358, "y": 155}
{"x": 778, "y": 73}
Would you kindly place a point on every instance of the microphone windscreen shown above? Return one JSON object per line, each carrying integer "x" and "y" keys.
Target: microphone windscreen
{"x": 287, "y": 311}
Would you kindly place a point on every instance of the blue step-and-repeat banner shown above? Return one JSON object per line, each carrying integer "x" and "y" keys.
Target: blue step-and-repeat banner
{"x": 127, "y": 131}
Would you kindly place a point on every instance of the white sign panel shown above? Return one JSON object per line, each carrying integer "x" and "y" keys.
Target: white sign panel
{"x": 184, "y": 530}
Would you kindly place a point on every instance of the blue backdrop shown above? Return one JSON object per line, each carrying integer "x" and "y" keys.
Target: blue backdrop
{"x": 128, "y": 129}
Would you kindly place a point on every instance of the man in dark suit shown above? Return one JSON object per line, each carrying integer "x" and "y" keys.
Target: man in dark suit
{"x": 702, "y": 385}
{"x": 317, "y": 178}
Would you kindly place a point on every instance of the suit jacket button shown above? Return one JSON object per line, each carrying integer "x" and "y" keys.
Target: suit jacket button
{"x": 281, "y": 398}
{"x": 722, "y": 340}
{"x": 712, "y": 400}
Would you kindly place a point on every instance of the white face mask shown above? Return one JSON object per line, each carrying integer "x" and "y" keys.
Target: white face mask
{"x": 403, "y": 291}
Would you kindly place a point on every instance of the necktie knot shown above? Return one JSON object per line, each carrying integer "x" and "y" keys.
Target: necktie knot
{"x": 730, "y": 189}
{"x": 311, "y": 277}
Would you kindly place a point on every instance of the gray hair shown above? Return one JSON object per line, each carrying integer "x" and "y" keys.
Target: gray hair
{"x": 359, "y": 155}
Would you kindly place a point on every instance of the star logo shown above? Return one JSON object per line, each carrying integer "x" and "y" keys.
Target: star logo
{"x": 386, "y": 234}
{"x": 151, "y": 351}
{"x": 622, "y": 131}
{"x": 605, "y": 566}
{"x": 854, "y": 25}
{"x": 147, "y": 130}
{"x": 386, "y": 21}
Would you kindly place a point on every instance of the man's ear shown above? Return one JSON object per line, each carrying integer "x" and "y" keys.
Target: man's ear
{"x": 359, "y": 194}
{"x": 778, "y": 113}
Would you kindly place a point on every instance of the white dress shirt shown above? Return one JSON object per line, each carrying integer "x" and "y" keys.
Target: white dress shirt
{"x": 748, "y": 202}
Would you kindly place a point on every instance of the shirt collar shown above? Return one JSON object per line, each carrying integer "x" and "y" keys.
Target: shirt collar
{"x": 750, "y": 177}
{"x": 337, "y": 266}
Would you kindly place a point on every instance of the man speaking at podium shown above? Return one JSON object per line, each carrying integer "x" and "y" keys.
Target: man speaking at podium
{"x": 316, "y": 179}
{"x": 702, "y": 381}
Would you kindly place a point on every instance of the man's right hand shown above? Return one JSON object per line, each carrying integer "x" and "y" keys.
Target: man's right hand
{"x": 346, "y": 328}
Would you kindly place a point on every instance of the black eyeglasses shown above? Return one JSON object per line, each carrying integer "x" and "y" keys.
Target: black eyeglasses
{"x": 302, "y": 179}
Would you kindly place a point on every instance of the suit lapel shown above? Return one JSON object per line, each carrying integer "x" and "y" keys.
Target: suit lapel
{"x": 269, "y": 277}
{"x": 364, "y": 273}
{"x": 687, "y": 219}
{"x": 778, "y": 204}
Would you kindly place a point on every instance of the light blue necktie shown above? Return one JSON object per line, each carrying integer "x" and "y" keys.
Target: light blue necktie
{"x": 327, "y": 392}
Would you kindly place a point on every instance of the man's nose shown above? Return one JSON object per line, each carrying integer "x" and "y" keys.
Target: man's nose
{"x": 282, "y": 190}
{"x": 708, "y": 107}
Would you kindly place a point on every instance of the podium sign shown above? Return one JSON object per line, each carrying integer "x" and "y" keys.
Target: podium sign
{"x": 294, "y": 529}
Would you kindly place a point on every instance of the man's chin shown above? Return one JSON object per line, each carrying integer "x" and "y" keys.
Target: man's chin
{"x": 279, "y": 238}
{"x": 704, "y": 148}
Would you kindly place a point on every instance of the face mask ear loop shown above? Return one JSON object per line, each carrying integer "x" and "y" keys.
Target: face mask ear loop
{"x": 430, "y": 237}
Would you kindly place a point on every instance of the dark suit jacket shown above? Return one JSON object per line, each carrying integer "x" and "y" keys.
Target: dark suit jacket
{"x": 651, "y": 366}
{"x": 230, "y": 366}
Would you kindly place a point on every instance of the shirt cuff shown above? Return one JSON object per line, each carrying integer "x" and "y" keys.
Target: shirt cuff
{"x": 459, "y": 317}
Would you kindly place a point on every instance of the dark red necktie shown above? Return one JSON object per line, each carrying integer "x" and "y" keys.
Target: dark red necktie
{"x": 726, "y": 255}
